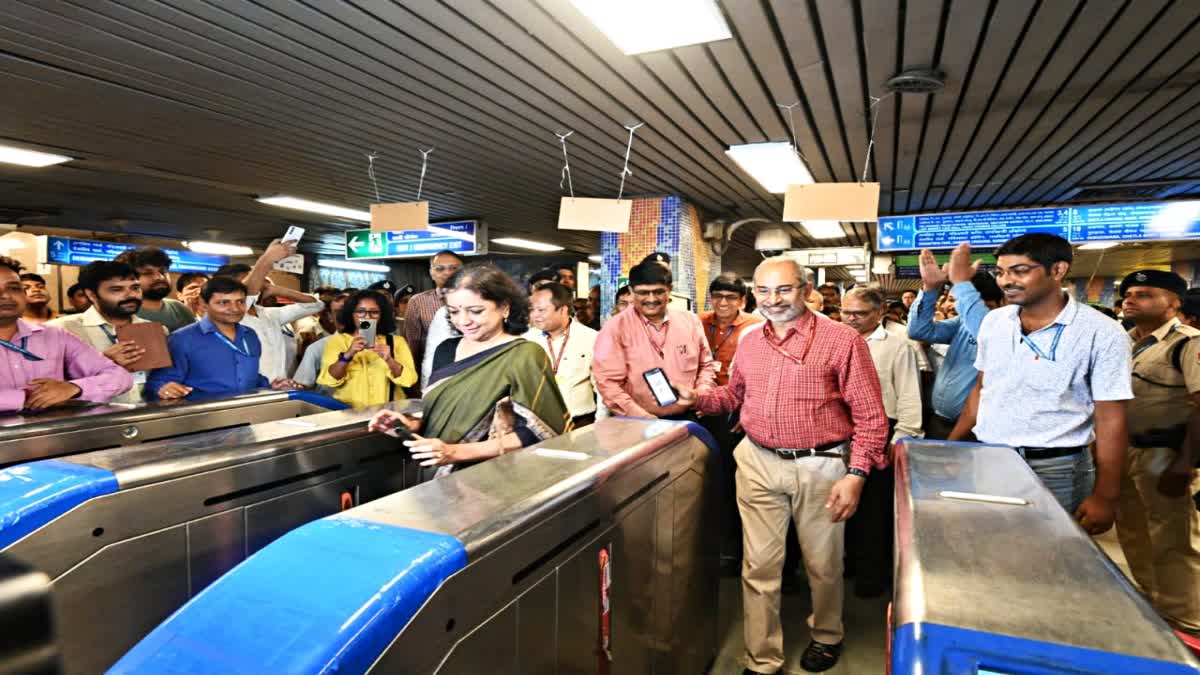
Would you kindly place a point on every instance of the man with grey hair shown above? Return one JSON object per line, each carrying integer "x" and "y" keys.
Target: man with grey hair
{"x": 815, "y": 429}
{"x": 869, "y": 532}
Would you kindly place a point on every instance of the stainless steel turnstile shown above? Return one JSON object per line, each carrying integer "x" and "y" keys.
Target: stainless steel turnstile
{"x": 80, "y": 428}
{"x": 129, "y": 534}
{"x": 595, "y": 552}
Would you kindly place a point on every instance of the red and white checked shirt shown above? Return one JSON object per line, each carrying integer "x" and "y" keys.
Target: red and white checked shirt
{"x": 814, "y": 386}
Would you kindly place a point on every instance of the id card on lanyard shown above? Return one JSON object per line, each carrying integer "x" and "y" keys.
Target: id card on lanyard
{"x": 244, "y": 350}
{"x": 1037, "y": 351}
{"x": 25, "y": 353}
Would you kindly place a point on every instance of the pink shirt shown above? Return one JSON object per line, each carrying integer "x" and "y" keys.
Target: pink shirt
{"x": 64, "y": 357}
{"x": 628, "y": 346}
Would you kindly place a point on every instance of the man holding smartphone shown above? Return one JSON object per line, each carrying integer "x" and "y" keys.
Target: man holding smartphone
{"x": 815, "y": 427}
{"x": 649, "y": 343}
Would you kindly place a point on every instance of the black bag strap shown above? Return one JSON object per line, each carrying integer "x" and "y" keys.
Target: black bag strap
{"x": 1177, "y": 354}
{"x": 391, "y": 385}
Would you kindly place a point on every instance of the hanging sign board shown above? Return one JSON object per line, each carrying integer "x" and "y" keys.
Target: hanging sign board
{"x": 848, "y": 202}
{"x": 403, "y": 216}
{"x": 64, "y": 251}
{"x": 466, "y": 237}
{"x": 294, "y": 264}
{"x": 1149, "y": 221}
{"x": 595, "y": 215}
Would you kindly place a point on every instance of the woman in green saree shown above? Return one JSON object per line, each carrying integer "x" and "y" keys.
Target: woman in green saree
{"x": 491, "y": 391}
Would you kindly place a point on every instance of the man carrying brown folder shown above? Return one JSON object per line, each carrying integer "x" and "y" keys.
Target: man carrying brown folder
{"x": 112, "y": 326}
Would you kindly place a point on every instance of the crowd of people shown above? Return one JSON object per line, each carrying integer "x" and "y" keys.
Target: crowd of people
{"x": 806, "y": 389}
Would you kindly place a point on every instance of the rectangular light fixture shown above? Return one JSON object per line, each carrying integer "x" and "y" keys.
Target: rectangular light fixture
{"x": 774, "y": 165}
{"x": 1099, "y": 245}
{"x": 596, "y": 258}
{"x": 637, "y": 27}
{"x": 824, "y": 229}
{"x": 218, "y": 249}
{"x": 356, "y": 266}
{"x": 33, "y": 158}
{"x": 286, "y": 202}
{"x": 527, "y": 243}
{"x": 11, "y": 244}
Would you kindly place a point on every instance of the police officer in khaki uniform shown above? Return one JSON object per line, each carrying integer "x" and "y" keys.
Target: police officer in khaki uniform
{"x": 1157, "y": 522}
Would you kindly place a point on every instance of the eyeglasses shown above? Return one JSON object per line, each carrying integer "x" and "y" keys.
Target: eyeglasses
{"x": 1020, "y": 271}
{"x": 846, "y": 314}
{"x": 726, "y": 297}
{"x": 367, "y": 313}
{"x": 763, "y": 292}
{"x": 651, "y": 292}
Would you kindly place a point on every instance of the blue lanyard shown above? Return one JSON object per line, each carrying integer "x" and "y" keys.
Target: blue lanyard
{"x": 712, "y": 337}
{"x": 29, "y": 356}
{"x": 244, "y": 351}
{"x": 112, "y": 337}
{"x": 1037, "y": 352}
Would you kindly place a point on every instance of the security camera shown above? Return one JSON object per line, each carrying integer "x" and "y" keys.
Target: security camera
{"x": 772, "y": 241}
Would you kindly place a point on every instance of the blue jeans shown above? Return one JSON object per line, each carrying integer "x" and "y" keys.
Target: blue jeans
{"x": 1069, "y": 479}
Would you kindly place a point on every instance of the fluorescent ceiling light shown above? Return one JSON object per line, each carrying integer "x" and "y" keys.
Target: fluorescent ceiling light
{"x": 596, "y": 258}
{"x": 774, "y": 165}
{"x": 526, "y": 243}
{"x": 22, "y": 157}
{"x": 824, "y": 229}
{"x": 356, "y": 266}
{"x": 637, "y": 26}
{"x": 1099, "y": 245}
{"x": 316, "y": 207}
{"x": 11, "y": 244}
{"x": 217, "y": 249}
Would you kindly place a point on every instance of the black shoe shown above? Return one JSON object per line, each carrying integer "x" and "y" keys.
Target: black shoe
{"x": 864, "y": 588}
{"x": 819, "y": 657}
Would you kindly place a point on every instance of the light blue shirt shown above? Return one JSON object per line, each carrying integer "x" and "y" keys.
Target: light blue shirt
{"x": 1039, "y": 390}
{"x": 957, "y": 373}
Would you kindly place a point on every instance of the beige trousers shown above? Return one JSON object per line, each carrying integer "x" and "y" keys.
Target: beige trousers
{"x": 770, "y": 491}
{"x": 1161, "y": 538}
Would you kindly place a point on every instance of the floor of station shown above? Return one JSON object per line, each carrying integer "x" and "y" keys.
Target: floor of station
{"x": 865, "y": 619}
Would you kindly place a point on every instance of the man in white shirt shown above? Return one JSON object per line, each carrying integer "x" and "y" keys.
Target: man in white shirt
{"x": 116, "y": 296}
{"x": 869, "y": 531}
{"x": 569, "y": 345}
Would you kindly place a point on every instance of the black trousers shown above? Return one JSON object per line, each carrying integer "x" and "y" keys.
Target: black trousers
{"x": 869, "y": 532}
{"x": 721, "y": 427}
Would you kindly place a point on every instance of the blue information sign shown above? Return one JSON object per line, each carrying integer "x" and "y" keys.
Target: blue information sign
{"x": 462, "y": 237}
{"x": 64, "y": 251}
{"x": 1152, "y": 221}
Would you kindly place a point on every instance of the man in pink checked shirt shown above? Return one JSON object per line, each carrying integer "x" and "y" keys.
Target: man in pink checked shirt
{"x": 34, "y": 358}
{"x": 815, "y": 428}
{"x": 646, "y": 336}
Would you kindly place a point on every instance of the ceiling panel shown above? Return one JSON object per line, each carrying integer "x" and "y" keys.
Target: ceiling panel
{"x": 181, "y": 111}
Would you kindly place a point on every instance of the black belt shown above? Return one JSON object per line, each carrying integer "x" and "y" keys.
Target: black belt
{"x": 1050, "y": 453}
{"x": 797, "y": 453}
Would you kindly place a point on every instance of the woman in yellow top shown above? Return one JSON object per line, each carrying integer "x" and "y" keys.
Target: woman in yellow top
{"x": 363, "y": 374}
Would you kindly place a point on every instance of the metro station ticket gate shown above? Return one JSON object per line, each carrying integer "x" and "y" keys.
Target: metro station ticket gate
{"x": 591, "y": 552}
{"x": 993, "y": 577}
{"x": 128, "y": 534}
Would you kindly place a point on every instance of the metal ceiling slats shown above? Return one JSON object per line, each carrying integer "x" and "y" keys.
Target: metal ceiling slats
{"x": 1034, "y": 115}
{"x": 667, "y": 69}
{"x": 880, "y": 51}
{"x": 964, "y": 30}
{"x": 1028, "y": 57}
{"x": 1003, "y": 32}
{"x": 921, "y": 21}
{"x": 698, "y": 62}
{"x": 1128, "y": 48}
{"x": 669, "y": 126}
{"x": 1168, "y": 161}
{"x": 839, "y": 36}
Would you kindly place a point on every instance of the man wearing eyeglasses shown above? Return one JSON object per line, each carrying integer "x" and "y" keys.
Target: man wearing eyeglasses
{"x": 423, "y": 305}
{"x": 816, "y": 427}
{"x": 647, "y": 336}
{"x": 1054, "y": 375}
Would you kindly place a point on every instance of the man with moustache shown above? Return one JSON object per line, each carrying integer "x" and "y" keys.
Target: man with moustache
{"x": 37, "y": 300}
{"x": 152, "y": 266}
{"x": 815, "y": 429}
{"x": 1054, "y": 375}
{"x": 45, "y": 366}
{"x": 646, "y": 336}
{"x": 116, "y": 296}
{"x": 569, "y": 344}
{"x": 1157, "y": 523}
{"x": 422, "y": 306}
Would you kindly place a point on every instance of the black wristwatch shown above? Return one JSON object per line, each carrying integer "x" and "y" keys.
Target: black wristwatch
{"x": 857, "y": 472}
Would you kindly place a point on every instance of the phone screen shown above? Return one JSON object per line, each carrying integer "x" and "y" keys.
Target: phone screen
{"x": 660, "y": 387}
{"x": 293, "y": 234}
{"x": 366, "y": 329}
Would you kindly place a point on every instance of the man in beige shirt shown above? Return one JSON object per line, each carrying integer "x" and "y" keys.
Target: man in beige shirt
{"x": 868, "y": 532}
{"x": 116, "y": 296}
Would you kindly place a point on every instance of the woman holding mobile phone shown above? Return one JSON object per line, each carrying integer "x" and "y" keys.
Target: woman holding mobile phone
{"x": 364, "y": 363}
{"x": 491, "y": 391}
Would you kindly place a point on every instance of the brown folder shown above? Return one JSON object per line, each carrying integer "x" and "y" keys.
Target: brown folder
{"x": 149, "y": 335}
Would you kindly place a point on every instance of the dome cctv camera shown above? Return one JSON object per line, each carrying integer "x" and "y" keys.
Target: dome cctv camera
{"x": 772, "y": 241}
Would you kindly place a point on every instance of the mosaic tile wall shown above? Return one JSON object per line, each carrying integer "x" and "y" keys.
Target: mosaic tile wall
{"x": 666, "y": 224}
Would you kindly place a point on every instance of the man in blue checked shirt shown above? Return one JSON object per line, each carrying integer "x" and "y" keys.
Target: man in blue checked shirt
{"x": 975, "y": 294}
{"x": 216, "y": 356}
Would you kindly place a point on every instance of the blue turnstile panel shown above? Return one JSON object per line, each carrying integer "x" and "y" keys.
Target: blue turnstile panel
{"x": 36, "y": 493}
{"x": 352, "y": 585}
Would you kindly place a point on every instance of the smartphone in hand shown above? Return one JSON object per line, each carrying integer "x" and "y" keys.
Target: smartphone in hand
{"x": 664, "y": 393}
{"x": 293, "y": 235}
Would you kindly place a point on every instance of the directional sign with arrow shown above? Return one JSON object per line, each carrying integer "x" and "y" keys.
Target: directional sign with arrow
{"x": 465, "y": 237}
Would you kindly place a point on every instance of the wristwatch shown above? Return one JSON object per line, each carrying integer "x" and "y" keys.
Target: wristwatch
{"x": 343, "y": 359}
{"x": 857, "y": 472}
